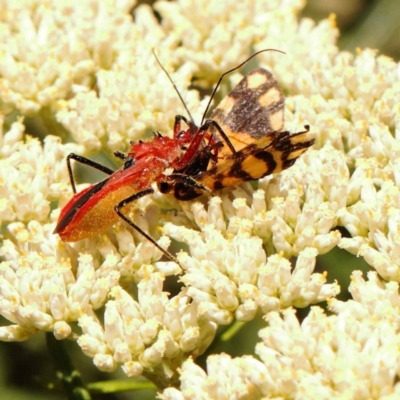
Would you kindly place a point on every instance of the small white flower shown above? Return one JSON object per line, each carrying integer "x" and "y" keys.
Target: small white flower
{"x": 104, "y": 362}
{"x": 132, "y": 369}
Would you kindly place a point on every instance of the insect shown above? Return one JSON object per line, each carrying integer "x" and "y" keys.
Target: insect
{"x": 223, "y": 151}
{"x": 96, "y": 208}
{"x": 250, "y": 118}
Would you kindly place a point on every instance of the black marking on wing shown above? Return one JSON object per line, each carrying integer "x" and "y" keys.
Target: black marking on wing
{"x": 247, "y": 114}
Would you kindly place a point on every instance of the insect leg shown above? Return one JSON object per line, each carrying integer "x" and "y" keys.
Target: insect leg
{"x": 177, "y": 124}
{"x": 197, "y": 142}
{"x": 84, "y": 161}
{"x": 185, "y": 187}
{"x": 210, "y": 123}
{"x": 190, "y": 181}
{"x": 120, "y": 155}
{"x": 131, "y": 199}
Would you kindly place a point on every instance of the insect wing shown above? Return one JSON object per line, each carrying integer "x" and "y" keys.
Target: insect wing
{"x": 269, "y": 154}
{"x": 252, "y": 118}
{"x": 252, "y": 110}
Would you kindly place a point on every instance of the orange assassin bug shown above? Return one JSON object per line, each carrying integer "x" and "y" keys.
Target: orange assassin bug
{"x": 197, "y": 156}
{"x": 96, "y": 208}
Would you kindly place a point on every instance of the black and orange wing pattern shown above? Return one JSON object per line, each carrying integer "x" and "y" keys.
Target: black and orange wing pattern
{"x": 266, "y": 155}
{"x": 251, "y": 117}
{"x": 252, "y": 110}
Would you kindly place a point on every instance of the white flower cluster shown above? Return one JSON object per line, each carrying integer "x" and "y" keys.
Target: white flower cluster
{"x": 216, "y": 38}
{"x": 149, "y": 333}
{"x": 91, "y": 68}
{"x": 123, "y": 108}
{"x": 50, "y": 50}
{"x": 31, "y": 174}
{"x": 40, "y": 292}
{"x": 353, "y": 354}
{"x": 228, "y": 272}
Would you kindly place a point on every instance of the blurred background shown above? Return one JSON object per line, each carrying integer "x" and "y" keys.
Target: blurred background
{"x": 27, "y": 369}
{"x": 362, "y": 23}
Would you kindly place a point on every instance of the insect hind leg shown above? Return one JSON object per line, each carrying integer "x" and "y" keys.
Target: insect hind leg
{"x": 131, "y": 199}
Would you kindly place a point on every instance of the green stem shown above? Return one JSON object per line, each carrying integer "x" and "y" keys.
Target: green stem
{"x": 116, "y": 386}
{"x": 232, "y": 331}
{"x": 65, "y": 370}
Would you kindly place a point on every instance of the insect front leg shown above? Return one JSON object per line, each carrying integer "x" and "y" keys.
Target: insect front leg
{"x": 197, "y": 141}
{"x": 213, "y": 150}
{"x": 84, "y": 161}
{"x": 131, "y": 199}
{"x": 211, "y": 123}
{"x": 177, "y": 124}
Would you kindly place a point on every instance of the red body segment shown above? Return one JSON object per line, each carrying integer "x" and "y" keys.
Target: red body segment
{"x": 92, "y": 210}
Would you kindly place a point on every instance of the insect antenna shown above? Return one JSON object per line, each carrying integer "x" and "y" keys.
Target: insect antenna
{"x": 176, "y": 89}
{"x": 228, "y": 72}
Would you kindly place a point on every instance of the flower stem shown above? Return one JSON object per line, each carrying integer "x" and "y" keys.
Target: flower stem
{"x": 65, "y": 370}
{"x": 232, "y": 330}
